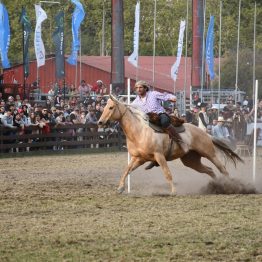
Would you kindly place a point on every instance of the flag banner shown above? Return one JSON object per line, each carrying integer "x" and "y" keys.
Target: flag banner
{"x": 39, "y": 45}
{"x": 174, "y": 68}
{"x": 58, "y": 38}
{"x": 24, "y": 20}
{"x": 210, "y": 48}
{"x": 4, "y": 36}
{"x": 77, "y": 18}
{"x": 133, "y": 58}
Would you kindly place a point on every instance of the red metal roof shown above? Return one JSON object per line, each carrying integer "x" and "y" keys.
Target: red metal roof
{"x": 99, "y": 67}
{"x": 162, "y": 75}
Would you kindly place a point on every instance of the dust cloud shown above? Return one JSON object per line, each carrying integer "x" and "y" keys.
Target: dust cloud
{"x": 227, "y": 186}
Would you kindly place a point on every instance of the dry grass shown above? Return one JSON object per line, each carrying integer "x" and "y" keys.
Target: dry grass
{"x": 64, "y": 208}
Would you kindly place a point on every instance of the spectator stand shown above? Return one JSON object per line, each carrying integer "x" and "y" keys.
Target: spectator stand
{"x": 61, "y": 138}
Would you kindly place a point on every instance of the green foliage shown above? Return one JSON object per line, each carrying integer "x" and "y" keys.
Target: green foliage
{"x": 168, "y": 17}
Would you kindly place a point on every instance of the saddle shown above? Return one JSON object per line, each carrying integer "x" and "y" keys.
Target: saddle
{"x": 175, "y": 121}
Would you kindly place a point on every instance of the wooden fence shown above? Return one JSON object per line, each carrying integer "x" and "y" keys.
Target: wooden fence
{"x": 62, "y": 137}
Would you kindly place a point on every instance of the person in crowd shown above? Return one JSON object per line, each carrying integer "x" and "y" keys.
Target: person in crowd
{"x": 91, "y": 117}
{"x": 150, "y": 102}
{"x": 51, "y": 94}
{"x": 98, "y": 110}
{"x": 99, "y": 98}
{"x": 8, "y": 118}
{"x": 18, "y": 101}
{"x": 8, "y": 122}
{"x": 83, "y": 89}
{"x": 99, "y": 87}
{"x": 203, "y": 120}
{"x": 88, "y": 100}
{"x": 48, "y": 104}
{"x": 239, "y": 125}
{"x": 2, "y": 112}
{"x": 220, "y": 130}
{"x": 75, "y": 116}
{"x": 73, "y": 91}
{"x": 251, "y": 115}
{"x": 196, "y": 99}
{"x": 58, "y": 99}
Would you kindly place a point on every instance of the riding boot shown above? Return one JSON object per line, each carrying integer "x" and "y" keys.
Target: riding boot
{"x": 176, "y": 137}
{"x": 151, "y": 165}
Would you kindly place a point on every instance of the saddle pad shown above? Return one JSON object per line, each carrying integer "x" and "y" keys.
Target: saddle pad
{"x": 179, "y": 129}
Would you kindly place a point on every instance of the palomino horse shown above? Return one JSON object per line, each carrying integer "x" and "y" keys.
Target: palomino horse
{"x": 144, "y": 144}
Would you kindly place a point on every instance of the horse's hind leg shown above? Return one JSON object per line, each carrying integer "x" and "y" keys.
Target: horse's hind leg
{"x": 134, "y": 163}
{"x": 167, "y": 173}
{"x": 215, "y": 160}
{"x": 193, "y": 160}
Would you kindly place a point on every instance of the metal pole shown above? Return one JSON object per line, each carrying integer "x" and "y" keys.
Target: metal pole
{"x": 80, "y": 56}
{"x": 255, "y": 134}
{"x": 23, "y": 46}
{"x": 238, "y": 34}
{"x": 128, "y": 155}
{"x": 154, "y": 43}
{"x": 254, "y": 50}
{"x": 103, "y": 31}
{"x": 219, "y": 56}
{"x": 203, "y": 52}
{"x": 185, "y": 79}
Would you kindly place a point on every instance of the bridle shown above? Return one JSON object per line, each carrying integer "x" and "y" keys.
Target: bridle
{"x": 121, "y": 114}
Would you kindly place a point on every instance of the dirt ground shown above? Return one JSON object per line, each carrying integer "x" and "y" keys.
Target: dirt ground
{"x": 65, "y": 208}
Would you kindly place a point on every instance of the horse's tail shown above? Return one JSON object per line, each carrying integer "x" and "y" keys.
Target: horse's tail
{"x": 229, "y": 153}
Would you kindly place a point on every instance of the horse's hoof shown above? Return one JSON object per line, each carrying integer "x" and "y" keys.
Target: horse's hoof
{"x": 120, "y": 190}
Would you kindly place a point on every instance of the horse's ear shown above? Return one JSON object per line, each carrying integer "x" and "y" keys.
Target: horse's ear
{"x": 113, "y": 98}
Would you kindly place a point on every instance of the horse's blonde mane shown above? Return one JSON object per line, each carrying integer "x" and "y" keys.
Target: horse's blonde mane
{"x": 138, "y": 113}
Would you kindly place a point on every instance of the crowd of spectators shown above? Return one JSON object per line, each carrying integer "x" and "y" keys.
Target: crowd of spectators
{"x": 228, "y": 121}
{"x": 82, "y": 105}
{"x": 85, "y": 104}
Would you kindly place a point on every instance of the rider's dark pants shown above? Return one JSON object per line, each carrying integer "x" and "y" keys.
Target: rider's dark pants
{"x": 164, "y": 120}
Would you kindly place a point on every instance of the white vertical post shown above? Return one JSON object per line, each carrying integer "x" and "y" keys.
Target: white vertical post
{"x": 128, "y": 155}
{"x": 255, "y": 135}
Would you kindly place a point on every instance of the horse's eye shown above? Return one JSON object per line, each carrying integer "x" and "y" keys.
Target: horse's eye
{"x": 111, "y": 107}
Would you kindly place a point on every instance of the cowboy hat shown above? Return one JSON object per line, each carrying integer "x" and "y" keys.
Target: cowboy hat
{"x": 220, "y": 119}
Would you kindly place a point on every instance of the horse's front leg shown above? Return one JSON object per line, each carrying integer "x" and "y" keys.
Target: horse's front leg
{"x": 134, "y": 163}
{"x": 160, "y": 158}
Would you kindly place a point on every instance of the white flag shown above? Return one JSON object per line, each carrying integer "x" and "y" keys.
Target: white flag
{"x": 133, "y": 58}
{"x": 39, "y": 45}
{"x": 174, "y": 68}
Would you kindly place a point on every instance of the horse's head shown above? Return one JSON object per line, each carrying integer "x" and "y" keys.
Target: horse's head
{"x": 114, "y": 110}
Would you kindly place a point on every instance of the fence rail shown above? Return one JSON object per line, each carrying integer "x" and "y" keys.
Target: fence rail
{"x": 59, "y": 137}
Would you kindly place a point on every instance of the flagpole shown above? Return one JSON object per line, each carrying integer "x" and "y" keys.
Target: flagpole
{"x": 154, "y": 44}
{"x": 238, "y": 34}
{"x": 185, "y": 79}
{"x": 76, "y": 72}
{"x": 254, "y": 49}
{"x": 64, "y": 51}
{"x": 103, "y": 31}
{"x": 23, "y": 46}
{"x": 203, "y": 52}
{"x": 80, "y": 56}
{"x": 219, "y": 56}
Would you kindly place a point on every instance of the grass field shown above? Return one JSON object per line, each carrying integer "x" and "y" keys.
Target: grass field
{"x": 64, "y": 208}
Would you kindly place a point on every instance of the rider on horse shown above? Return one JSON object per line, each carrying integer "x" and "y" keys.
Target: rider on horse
{"x": 150, "y": 102}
